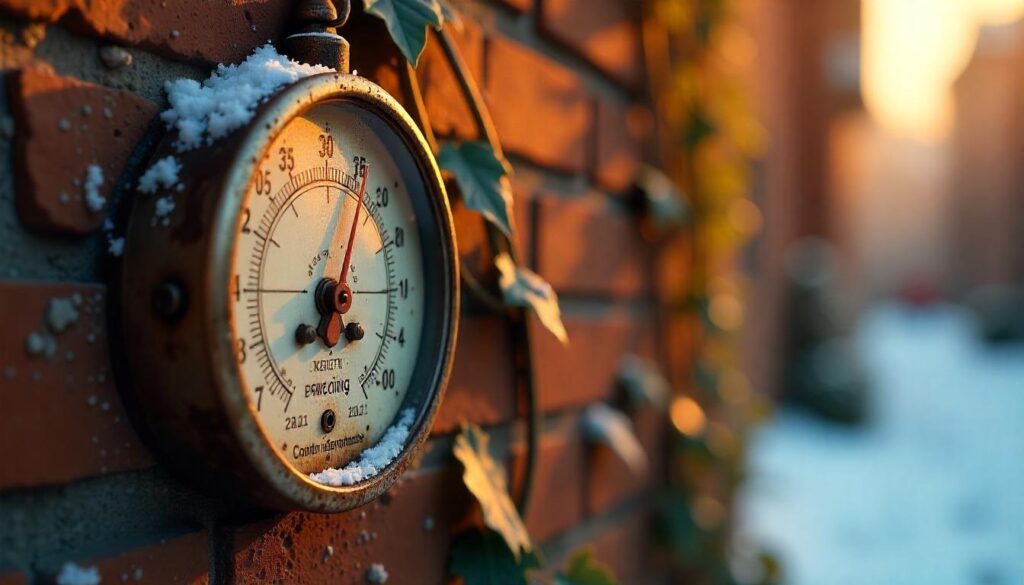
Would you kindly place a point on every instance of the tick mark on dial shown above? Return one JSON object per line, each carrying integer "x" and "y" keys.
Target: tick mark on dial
{"x": 275, "y": 290}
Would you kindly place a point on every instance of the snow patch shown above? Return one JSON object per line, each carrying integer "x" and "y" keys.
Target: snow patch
{"x": 115, "y": 246}
{"x": 227, "y": 100}
{"x": 93, "y": 181}
{"x": 374, "y": 459}
{"x": 61, "y": 314}
{"x": 377, "y": 573}
{"x": 161, "y": 174}
{"x": 72, "y": 574}
{"x": 162, "y": 212}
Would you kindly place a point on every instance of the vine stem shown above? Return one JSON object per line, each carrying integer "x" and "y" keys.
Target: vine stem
{"x": 520, "y": 330}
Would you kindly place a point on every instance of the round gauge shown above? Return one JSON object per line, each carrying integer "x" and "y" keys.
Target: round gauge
{"x": 303, "y": 300}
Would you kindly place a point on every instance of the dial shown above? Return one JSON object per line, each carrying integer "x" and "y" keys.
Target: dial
{"x": 328, "y": 298}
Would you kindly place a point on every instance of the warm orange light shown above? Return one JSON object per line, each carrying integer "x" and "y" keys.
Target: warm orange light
{"x": 912, "y": 53}
{"x": 687, "y": 416}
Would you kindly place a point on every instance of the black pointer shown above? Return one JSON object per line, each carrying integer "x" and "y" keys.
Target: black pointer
{"x": 273, "y": 290}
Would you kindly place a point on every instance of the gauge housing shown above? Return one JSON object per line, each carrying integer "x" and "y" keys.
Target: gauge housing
{"x": 183, "y": 383}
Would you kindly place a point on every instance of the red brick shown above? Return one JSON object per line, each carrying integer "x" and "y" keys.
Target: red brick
{"x": 621, "y": 132}
{"x": 674, "y": 264}
{"x": 585, "y": 371}
{"x": 63, "y": 126}
{"x": 682, "y": 337}
{"x": 11, "y": 578}
{"x": 179, "y": 561}
{"x": 625, "y": 548}
{"x": 520, "y": 5}
{"x": 584, "y": 247}
{"x": 449, "y": 112}
{"x": 64, "y": 418}
{"x": 541, "y": 109}
{"x": 407, "y": 531}
{"x": 379, "y": 64}
{"x": 610, "y": 480}
{"x": 482, "y": 386}
{"x": 605, "y": 32}
{"x": 215, "y": 32}
{"x": 558, "y": 481}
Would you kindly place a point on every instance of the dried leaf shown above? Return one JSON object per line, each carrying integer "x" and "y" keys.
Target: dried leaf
{"x": 584, "y": 570}
{"x": 486, "y": 481}
{"x": 482, "y": 179}
{"x": 603, "y": 424}
{"x": 407, "y": 21}
{"x": 482, "y": 557}
{"x": 644, "y": 381}
{"x": 524, "y": 288}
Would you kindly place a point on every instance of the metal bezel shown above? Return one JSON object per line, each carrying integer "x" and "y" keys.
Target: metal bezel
{"x": 286, "y": 487}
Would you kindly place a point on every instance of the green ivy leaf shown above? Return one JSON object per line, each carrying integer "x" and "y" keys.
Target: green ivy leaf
{"x": 604, "y": 425}
{"x": 483, "y": 180}
{"x": 643, "y": 381}
{"x": 407, "y": 21}
{"x": 482, "y": 557}
{"x": 522, "y": 287}
{"x": 584, "y": 570}
{"x": 486, "y": 481}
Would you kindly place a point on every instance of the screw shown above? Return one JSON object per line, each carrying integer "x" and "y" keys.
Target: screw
{"x": 305, "y": 334}
{"x": 327, "y": 420}
{"x": 354, "y": 331}
{"x": 168, "y": 300}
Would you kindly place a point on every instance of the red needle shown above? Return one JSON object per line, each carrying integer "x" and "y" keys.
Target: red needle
{"x": 337, "y": 297}
{"x": 355, "y": 224}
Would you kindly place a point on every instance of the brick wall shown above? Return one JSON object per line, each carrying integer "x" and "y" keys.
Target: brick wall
{"x": 80, "y": 84}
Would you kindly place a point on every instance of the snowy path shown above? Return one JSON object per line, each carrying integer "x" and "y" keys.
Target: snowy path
{"x": 930, "y": 493}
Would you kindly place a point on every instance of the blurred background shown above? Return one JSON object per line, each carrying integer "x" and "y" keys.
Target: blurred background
{"x": 885, "y": 311}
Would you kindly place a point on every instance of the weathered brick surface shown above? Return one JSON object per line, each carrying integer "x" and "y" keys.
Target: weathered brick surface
{"x": 61, "y": 127}
{"x": 681, "y": 336}
{"x": 585, "y": 247}
{"x": 192, "y": 29}
{"x": 585, "y": 371}
{"x": 606, "y": 32}
{"x": 610, "y": 480}
{"x": 541, "y": 110}
{"x": 449, "y": 111}
{"x": 558, "y": 482}
{"x": 68, "y": 421}
{"x": 621, "y": 130}
{"x": 519, "y": 5}
{"x": 482, "y": 386}
{"x": 179, "y": 561}
{"x": 673, "y": 268}
{"x": 556, "y": 119}
{"x": 625, "y": 549}
{"x": 407, "y": 532}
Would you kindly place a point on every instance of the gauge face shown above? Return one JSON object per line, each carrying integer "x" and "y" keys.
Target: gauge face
{"x": 330, "y": 298}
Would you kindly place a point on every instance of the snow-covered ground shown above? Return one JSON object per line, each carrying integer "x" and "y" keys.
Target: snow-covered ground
{"x": 931, "y": 492}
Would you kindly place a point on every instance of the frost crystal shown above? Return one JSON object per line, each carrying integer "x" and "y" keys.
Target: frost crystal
{"x": 377, "y": 574}
{"x": 93, "y": 181}
{"x": 164, "y": 207}
{"x": 60, "y": 314}
{"x": 115, "y": 246}
{"x": 162, "y": 174}
{"x": 72, "y": 574}
{"x": 374, "y": 459}
{"x": 227, "y": 100}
